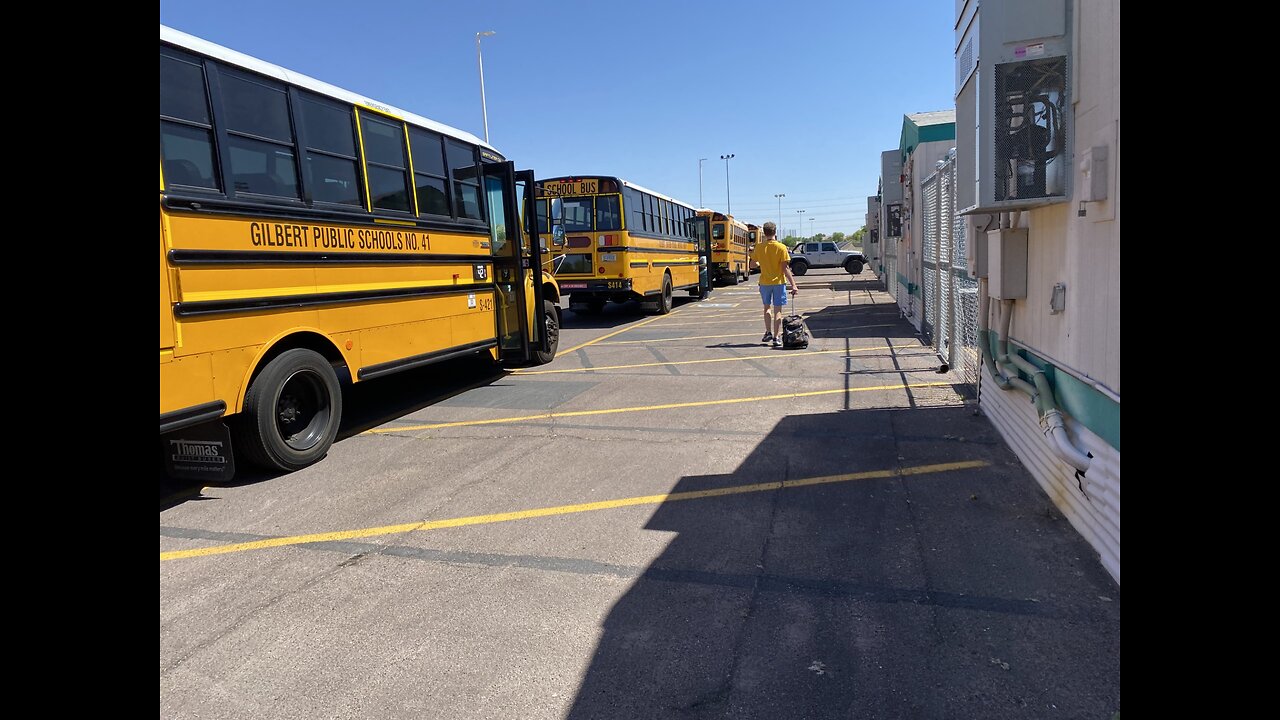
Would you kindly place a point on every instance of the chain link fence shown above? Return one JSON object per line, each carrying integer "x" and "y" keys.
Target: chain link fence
{"x": 950, "y": 296}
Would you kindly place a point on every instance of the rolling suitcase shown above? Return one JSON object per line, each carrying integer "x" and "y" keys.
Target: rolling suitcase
{"x": 795, "y": 332}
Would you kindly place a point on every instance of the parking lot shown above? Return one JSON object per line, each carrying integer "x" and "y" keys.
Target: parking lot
{"x": 670, "y": 520}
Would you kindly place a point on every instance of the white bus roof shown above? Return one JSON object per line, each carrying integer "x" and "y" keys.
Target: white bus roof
{"x": 658, "y": 195}
{"x": 227, "y": 55}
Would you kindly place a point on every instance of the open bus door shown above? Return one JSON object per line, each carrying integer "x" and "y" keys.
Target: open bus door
{"x": 700, "y": 231}
{"x": 516, "y": 256}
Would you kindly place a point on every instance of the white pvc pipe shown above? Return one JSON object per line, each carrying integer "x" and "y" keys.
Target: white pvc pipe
{"x": 1056, "y": 430}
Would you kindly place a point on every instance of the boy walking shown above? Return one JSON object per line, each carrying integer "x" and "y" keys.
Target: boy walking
{"x": 775, "y": 264}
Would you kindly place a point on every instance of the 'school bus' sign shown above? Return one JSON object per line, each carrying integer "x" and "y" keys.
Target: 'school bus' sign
{"x": 571, "y": 187}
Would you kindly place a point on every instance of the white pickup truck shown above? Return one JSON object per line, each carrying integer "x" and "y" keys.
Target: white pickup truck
{"x": 825, "y": 255}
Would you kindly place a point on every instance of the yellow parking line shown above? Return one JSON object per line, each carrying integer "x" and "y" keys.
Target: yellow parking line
{"x": 569, "y": 509}
{"x": 646, "y": 408}
{"x": 708, "y": 337}
{"x": 770, "y": 356}
{"x": 617, "y": 332}
{"x": 699, "y": 337}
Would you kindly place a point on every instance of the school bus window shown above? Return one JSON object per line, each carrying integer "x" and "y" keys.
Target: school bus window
{"x": 430, "y": 177}
{"x": 577, "y": 214}
{"x": 717, "y": 231}
{"x": 385, "y": 158}
{"x": 608, "y": 216}
{"x": 186, "y": 131}
{"x": 636, "y": 221}
{"x": 544, "y": 222}
{"x": 259, "y": 135}
{"x": 466, "y": 180}
{"x": 331, "y": 163}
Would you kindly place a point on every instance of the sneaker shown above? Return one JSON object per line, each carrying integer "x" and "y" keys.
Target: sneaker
{"x": 777, "y": 343}
{"x": 768, "y": 337}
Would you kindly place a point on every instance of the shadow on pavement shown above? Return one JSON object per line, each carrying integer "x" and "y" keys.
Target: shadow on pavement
{"x": 365, "y": 405}
{"x": 948, "y": 594}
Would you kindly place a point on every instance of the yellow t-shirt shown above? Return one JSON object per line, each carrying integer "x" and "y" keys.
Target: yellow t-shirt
{"x": 772, "y": 256}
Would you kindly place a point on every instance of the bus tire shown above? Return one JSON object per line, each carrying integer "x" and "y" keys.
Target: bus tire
{"x": 664, "y": 300}
{"x": 853, "y": 267}
{"x": 551, "y": 321}
{"x": 733, "y": 277}
{"x": 291, "y": 412}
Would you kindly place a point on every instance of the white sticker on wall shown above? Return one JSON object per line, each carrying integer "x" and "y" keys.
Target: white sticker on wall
{"x": 1035, "y": 50}
{"x": 471, "y": 300}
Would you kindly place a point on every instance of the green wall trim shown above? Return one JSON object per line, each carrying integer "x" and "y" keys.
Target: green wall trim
{"x": 1083, "y": 402}
{"x": 941, "y": 131}
{"x": 912, "y": 289}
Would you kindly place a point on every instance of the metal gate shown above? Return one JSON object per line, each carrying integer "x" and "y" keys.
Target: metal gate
{"x": 950, "y": 296}
{"x": 929, "y": 236}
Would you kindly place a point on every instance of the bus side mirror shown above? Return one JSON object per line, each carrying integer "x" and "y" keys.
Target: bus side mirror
{"x": 557, "y": 222}
{"x": 557, "y": 235}
{"x": 702, "y": 261}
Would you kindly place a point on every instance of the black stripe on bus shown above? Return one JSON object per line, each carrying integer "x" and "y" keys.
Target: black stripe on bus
{"x": 645, "y": 264}
{"x": 290, "y": 302}
{"x": 266, "y": 257}
{"x": 268, "y": 212}
{"x": 654, "y": 236}
{"x": 634, "y": 248}
{"x": 374, "y": 371}
{"x": 673, "y": 263}
{"x": 194, "y": 415}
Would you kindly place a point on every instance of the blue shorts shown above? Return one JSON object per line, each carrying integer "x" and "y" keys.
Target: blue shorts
{"x": 774, "y": 294}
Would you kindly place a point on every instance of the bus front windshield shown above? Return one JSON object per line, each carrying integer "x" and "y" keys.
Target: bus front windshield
{"x": 579, "y": 212}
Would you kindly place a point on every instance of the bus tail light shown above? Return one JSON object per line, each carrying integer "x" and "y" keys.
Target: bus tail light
{"x": 600, "y": 270}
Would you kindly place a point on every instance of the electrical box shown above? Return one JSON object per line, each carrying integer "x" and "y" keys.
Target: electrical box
{"x": 1013, "y": 112}
{"x": 1007, "y": 261}
{"x": 1093, "y": 171}
{"x": 975, "y": 255}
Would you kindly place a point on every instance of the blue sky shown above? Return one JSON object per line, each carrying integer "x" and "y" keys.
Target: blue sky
{"x": 805, "y": 95}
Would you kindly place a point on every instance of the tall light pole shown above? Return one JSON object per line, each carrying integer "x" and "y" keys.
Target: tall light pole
{"x": 480, "y": 59}
{"x": 801, "y": 223}
{"x": 700, "y": 161}
{"x": 728, "y": 207}
{"x": 780, "y": 196}
{"x": 811, "y": 226}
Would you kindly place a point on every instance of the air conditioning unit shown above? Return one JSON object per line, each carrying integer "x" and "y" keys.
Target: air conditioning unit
{"x": 1013, "y": 113}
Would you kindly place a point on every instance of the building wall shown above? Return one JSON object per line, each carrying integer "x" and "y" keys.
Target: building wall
{"x": 1093, "y": 512}
{"x": 1083, "y": 340}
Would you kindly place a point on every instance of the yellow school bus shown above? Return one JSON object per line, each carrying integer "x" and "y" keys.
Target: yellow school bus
{"x": 620, "y": 242}
{"x": 754, "y": 235}
{"x": 730, "y": 252}
{"x": 311, "y": 238}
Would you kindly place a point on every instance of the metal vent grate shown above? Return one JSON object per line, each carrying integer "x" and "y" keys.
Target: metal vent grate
{"x": 1030, "y": 133}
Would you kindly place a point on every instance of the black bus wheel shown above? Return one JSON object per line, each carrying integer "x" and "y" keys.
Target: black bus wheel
{"x": 664, "y": 302}
{"x": 551, "y": 325}
{"x": 291, "y": 412}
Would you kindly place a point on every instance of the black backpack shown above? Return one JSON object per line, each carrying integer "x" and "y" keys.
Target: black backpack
{"x": 795, "y": 333}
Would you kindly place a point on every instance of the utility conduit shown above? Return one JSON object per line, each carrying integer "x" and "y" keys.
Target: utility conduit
{"x": 1004, "y": 368}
